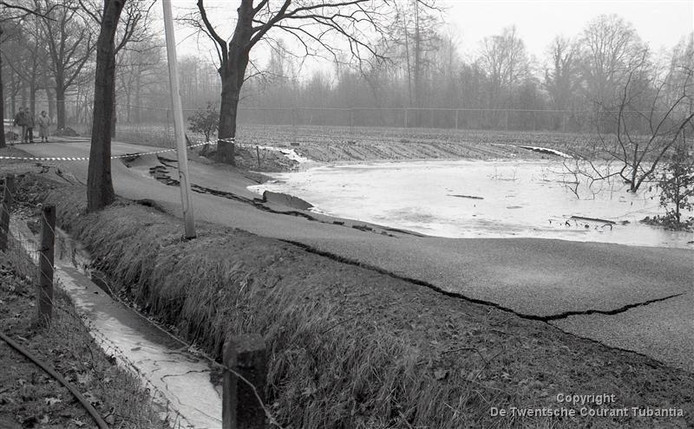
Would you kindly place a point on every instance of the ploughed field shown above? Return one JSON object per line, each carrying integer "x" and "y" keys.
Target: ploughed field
{"x": 358, "y": 144}
{"x": 340, "y": 144}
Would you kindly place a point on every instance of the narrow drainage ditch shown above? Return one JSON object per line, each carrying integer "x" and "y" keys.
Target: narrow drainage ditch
{"x": 178, "y": 379}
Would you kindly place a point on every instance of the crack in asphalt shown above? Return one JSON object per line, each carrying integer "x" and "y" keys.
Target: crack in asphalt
{"x": 165, "y": 178}
{"x": 619, "y": 310}
{"x": 528, "y": 316}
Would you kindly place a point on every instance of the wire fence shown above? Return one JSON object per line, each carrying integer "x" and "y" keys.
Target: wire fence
{"x": 433, "y": 118}
{"x": 385, "y": 117}
{"x": 22, "y": 252}
{"x": 295, "y": 125}
{"x": 27, "y": 254}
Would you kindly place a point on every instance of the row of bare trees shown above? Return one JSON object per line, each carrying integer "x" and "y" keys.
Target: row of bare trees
{"x": 383, "y": 55}
{"x": 407, "y": 62}
{"x": 47, "y": 51}
{"x": 578, "y": 76}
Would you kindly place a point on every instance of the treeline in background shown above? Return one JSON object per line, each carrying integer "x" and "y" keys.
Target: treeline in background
{"x": 420, "y": 79}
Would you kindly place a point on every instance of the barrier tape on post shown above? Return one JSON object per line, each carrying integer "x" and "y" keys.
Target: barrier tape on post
{"x": 126, "y": 155}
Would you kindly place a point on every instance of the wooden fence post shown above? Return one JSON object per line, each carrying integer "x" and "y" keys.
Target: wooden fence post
{"x": 241, "y": 409}
{"x": 7, "y": 200}
{"x": 46, "y": 254}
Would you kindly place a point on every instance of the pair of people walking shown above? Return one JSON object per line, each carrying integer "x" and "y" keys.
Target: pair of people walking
{"x": 25, "y": 119}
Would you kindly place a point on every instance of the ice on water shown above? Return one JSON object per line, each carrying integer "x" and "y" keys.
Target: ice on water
{"x": 483, "y": 199}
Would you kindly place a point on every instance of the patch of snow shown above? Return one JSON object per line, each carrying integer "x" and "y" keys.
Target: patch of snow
{"x": 290, "y": 154}
{"x": 547, "y": 150}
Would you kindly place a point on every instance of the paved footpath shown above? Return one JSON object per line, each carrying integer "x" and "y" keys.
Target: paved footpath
{"x": 635, "y": 298}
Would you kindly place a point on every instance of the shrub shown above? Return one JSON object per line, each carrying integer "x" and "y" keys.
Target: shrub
{"x": 205, "y": 121}
{"x": 677, "y": 185}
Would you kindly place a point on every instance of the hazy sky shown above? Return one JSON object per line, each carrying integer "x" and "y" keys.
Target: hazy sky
{"x": 661, "y": 23}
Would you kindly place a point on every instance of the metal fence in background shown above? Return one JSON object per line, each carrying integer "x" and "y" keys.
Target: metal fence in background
{"x": 435, "y": 118}
{"x": 154, "y": 125}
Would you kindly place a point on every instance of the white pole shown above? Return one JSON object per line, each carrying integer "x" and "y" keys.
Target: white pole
{"x": 178, "y": 122}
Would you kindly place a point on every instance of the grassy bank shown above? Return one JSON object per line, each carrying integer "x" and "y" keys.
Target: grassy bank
{"x": 353, "y": 348}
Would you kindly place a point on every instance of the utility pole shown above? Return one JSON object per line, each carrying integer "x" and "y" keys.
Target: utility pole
{"x": 178, "y": 122}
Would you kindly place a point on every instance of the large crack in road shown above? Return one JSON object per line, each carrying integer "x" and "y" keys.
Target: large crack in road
{"x": 161, "y": 173}
{"x": 638, "y": 326}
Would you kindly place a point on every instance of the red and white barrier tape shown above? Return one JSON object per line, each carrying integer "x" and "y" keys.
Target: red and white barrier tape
{"x": 126, "y": 155}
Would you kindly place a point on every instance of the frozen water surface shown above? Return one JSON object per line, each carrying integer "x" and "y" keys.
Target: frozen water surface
{"x": 483, "y": 199}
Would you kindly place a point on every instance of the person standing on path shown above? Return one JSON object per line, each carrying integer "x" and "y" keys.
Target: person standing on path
{"x": 20, "y": 121}
{"x": 44, "y": 122}
{"x": 29, "y": 119}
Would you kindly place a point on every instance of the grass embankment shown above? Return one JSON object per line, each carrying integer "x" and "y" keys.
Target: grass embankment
{"x": 353, "y": 348}
{"x": 29, "y": 397}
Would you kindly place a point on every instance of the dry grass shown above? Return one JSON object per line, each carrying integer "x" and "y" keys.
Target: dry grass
{"x": 351, "y": 348}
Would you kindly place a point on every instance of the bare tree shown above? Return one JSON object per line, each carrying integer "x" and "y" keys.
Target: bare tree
{"x": 649, "y": 121}
{"x": 28, "y": 62}
{"x": 99, "y": 183}
{"x": 11, "y": 12}
{"x": 140, "y": 67}
{"x": 112, "y": 39}
{"x": 505, "y": 63}
{"x": 311, "y": 23}
{"x": 610, "y": 49}
{"x": 199, "y": 82}
{"x": 70, "y": 45}
{"x": 2, "y": 89}
{"x": 562, "y": 78}
{"x": 417, "y": 37}
{"x": 2, "y": 96}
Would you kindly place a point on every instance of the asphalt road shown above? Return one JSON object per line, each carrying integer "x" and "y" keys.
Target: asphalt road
{"x": 635, "y": 298}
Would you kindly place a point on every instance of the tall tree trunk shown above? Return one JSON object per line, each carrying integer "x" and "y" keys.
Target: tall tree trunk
{"x": 32, "y": 96}
{"x": 2, "y": 102}
{"x": 24, "y": 95}
{"x": 114, "y": 113}
{"x": 99, "y": 183}
{"x": 137, "y": 117}
{"x": 232, "y": 74}
{"x": 128, "y": 108}
{"x": 227, "y": 115}
{"x": 51, "y": 102}
{"x": 417, "y": 67}
{"x": 60, "y": 105}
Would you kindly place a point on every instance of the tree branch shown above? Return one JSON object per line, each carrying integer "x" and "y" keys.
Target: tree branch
{"x": 212, "y": 33}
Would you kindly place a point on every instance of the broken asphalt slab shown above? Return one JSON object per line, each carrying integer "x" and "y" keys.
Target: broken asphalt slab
{"x": 534, "y": 278}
